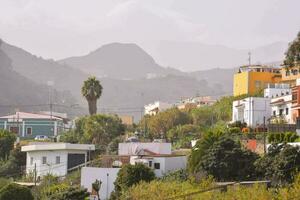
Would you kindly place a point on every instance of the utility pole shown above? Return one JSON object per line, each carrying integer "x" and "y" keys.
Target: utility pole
{"x": 34, "y": 174}
{"x": 249, "y": 58}
{"x": 265, "y": 135}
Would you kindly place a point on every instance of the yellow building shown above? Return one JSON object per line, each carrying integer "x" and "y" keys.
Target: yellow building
{"x": 290, "y": 74}
{"x": 251, "y": 79}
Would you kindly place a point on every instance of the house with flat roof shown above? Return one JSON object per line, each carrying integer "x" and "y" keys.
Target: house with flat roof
{"x": 29, "y": 125}
{"x": 55, "y": 158}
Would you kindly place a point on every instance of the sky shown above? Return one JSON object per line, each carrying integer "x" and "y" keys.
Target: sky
{"x": 62, "y": 28}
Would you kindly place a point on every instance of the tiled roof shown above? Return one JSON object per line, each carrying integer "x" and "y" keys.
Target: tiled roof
{"x": 25, "y": 115}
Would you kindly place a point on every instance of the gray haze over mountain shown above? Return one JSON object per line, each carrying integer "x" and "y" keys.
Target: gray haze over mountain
{"x": 119, "y": 95}
{"x": 189, "y": 35}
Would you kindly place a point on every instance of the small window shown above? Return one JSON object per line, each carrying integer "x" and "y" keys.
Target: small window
{"x": 57, "y": 160}
{"x": 44, "y": 160}
{"x": 257, "y": 84}
{"x": 280, "y": 112}
{"x": 14, "y": 129}
{"x": 156, "y": 165}
{"x": 31, "y": 160}
{"x": 286, "y": 111}
{"x": 29, "y": 131}
{"x": 274, "y": 113}
{"x": 150, "y": 163}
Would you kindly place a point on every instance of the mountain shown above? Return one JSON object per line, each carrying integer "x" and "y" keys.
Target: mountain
{"x": 194, "y": 56}
{"x": 18, "y": 92}
{"x": 220, "y": 78}
{"x": 41, "y": 71}
{"x": 119, "y": 61}
{"x": 130, "y": 77}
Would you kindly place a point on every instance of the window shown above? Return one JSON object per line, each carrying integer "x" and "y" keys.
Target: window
{"x": 150, "y": 163}
{"x": 44, "y": 160}
{"x": 57, "y": 160}
{"x": 29, "y": 131}
{"x": 274, "y": 113}
{"x": 287, "y": 72}
{"x": 280, "y": 112}
{"x": 156, "y": 165}
{"x": 287, "y": 111}
{"x": 257, "y": 84}
{"x": 14, "y": 129}
{"x": 31, "y": 160}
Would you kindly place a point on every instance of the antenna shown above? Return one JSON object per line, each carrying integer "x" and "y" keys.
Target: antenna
{"x": 249, "y": 58}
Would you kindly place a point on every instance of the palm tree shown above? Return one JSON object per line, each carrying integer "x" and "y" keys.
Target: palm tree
{"x": 92, "y": 91}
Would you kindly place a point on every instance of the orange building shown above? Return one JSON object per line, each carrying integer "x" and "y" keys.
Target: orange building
{"x": 251, "y": 79}
{"x": 290, "y": 75}
{"x": 295, "y": 102}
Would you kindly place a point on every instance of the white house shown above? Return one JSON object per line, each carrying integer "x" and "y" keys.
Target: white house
{"x": 106, "y": 175}
{"x": 251, "y": 110}
{"x": 156, "y": 107}
{"x": 276, "y": 90}
{"x": 142, "y": 148}
{"x": 161, "y": 164}
{"x": 55, "y": 158}
{"x": 282, "y": 108}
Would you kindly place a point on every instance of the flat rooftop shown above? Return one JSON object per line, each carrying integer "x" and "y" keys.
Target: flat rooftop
{"x": 45, "y": 146}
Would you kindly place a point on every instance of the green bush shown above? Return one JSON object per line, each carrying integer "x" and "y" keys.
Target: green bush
{"x": 13, "y": 191}
{"x": 282, "y": 137}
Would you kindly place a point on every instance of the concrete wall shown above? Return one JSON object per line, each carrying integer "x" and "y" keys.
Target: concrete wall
{"x": 106, "y": 175}
{"x": 50, "y": 167}
{"x": 251, "y": 110}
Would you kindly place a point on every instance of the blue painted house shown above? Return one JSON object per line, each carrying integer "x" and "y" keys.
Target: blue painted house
{"x": 29, "y": 125}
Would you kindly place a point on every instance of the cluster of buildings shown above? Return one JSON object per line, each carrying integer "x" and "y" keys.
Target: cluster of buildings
{"x": 186, "y": 103}
{"x": 272, "y": 96}
{"x": 60, "y": 158}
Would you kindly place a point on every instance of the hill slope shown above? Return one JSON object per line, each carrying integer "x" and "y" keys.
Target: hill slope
{"x": 119, "y": 61}
{"x": 17, "y": 91}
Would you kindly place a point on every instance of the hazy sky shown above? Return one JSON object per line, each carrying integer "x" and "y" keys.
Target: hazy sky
{"x": 62, "y": 28}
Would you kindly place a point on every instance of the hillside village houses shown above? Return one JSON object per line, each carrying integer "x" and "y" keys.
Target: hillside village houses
{"x": 29, "y": 125}
{"x": 156, "y": 155}
{"x": 280, "y": 102}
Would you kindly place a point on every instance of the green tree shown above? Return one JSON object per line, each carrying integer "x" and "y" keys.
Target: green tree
{"x": 7, "y": 140}
{"x": 13, "y": 166}
{"x": 226, "y": 160}
{"x": 280, "y": 164}
{"x": 130, "y": 175}
{"x": 92, "y": 91}
{"x": 293, "y": 52}
{"x": 200, "y": 149}
{"x": 158, "y": 125}
{"x": 13, "y": 191}
{"x": 97, "y": 129}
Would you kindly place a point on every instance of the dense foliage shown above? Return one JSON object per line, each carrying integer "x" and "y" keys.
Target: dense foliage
{"x": 282, "y": 137}
{"x": 97, "y": 129}
{"x": 130, "y": 175}
{"x": 7, "y": 140}
{"x": 13, "y": 166}
{"x": 13, "y": 191}
{"x": 293, "y": 52}
{"x": 226, "y": 160}
{"x": 280, "y": 164}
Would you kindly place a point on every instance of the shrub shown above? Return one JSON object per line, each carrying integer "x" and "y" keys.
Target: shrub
{"x": 13, "y": 191}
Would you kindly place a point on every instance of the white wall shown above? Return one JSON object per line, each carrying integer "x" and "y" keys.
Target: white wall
{"x": 134, "y": 147}
{"x": 90, "y": 174}
{"x": 286, "y": 104}
{"x": 50, "y": 166}
{"x": 161, "y": 106}
{"x": 167, "y": 164}
{"x": 251, "y": 110}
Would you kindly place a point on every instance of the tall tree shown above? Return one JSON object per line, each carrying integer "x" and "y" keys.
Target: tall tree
{"x": 92, "y": 91}
{"x": 293, "y": 52}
